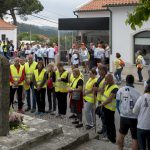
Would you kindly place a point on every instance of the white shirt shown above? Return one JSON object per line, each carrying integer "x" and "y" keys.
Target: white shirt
{"x": 51, "y": 52}
{"x": 142, "y": 109}
{"x": 75, "y": 59}
{"x": 99, "y": 53}
{"x": 84, "y": 55}
{"x": 127, "y": 96}
{"x": 44, "y": 51}
{"x": 107, "y": 52}
{"x": 39, "y": 53}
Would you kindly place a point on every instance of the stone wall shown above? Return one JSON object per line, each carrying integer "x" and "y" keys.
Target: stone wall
{"x": 4, "y": 96}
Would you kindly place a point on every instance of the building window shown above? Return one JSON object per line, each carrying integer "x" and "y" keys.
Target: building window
{"x": 142, "y": 42}
{"x": 3, "y": 37}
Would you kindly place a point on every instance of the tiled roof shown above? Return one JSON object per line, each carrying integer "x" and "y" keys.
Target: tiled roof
{"x": 96, "y": 5}
{"x": 6, "y": 26}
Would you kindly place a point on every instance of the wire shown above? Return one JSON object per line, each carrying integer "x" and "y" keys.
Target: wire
{"x": 45, "y": 19}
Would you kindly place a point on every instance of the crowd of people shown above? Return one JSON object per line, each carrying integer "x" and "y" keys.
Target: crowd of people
{"x": 38, "y": 74}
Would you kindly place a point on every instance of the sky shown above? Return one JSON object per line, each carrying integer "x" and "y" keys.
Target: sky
{"x": 54, "y": 9}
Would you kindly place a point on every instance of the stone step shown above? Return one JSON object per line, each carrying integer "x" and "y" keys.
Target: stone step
{"x": 95, "y": 144}
{"x": 38, "y": 131}
{"x": 67, "y": 141}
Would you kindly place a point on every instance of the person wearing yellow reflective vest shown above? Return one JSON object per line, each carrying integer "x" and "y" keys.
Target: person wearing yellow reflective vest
{"x": 71, "y": 79}
{"x": 30, "y": 66}
{"x": 140, "y": 62}
{"x": 16, "y": 83}
{"x": 90, "y": 99}
{"x": 39, "y": 81}
{"x": 108, "y": 105}
{"x": 50, "y": 89}
{"x": 61, "y": 84}
{"x": 102, "y": 69}
{"x": 5, "y": 49}
{"x": 76, "y": 98}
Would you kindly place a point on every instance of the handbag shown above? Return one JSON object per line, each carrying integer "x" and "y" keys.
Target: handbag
{"x": 76, "y": 95}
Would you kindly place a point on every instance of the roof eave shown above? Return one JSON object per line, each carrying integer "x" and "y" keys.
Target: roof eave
{"x": 96, "y": 10}
{"x": 120, "y": 5}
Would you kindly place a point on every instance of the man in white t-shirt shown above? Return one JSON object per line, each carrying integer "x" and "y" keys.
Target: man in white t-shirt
{"x": 126, "y": 99}
{"x": 99, "y": 53}
{"x": 51, "y": 54}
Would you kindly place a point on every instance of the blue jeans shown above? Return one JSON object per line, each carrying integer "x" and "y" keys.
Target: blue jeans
{"x": 33, "y": 97}
{"x": 143, "y": 139}
{"x": 89, "y": 113}
{"x": 117, "y": 74}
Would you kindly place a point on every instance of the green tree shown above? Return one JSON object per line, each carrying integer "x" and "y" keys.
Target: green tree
{"x": 20, "y": 7}
{"x": 140, "y": 14}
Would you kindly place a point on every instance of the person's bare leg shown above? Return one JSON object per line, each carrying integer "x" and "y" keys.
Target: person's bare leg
{"x": 120, "y": 141}
{"x": 134, "y": 144}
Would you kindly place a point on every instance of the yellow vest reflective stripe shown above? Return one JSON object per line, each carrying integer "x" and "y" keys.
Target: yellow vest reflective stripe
{"x": 74, "y": 82}
{"x": 59, "y": 85}
{"x": 39, "y": 77}
{"x": 72, "y": 77}
{"x": 99, "y": 96}
{"x": 29, "y": 70}
{"x": 15, "y": 74}
{"x": 111, "y": 106}
{"x": 89, "y": 85}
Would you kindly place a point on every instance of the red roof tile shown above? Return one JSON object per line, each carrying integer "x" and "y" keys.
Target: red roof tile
{"x": 6, "y": 26}
{"x": 96, "y": 5}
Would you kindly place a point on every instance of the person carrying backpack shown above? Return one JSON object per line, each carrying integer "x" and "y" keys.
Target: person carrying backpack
{"x": 126, "y": 99}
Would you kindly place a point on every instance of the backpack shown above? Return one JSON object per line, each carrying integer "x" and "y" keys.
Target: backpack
{"x": 122, "y": 63}
{"x": 127, "y": 102}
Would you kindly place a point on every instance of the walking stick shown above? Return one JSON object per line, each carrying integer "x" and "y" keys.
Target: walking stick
{"x": 94, "y": 111}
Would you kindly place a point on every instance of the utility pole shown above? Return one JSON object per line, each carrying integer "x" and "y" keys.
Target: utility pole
{"x": 30, "y": 33}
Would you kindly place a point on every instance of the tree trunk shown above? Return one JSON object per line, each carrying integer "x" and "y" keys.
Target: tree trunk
{"x": 12, "y": 12}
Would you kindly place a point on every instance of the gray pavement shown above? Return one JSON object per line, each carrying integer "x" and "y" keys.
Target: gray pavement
{"x": 67, "y": 121}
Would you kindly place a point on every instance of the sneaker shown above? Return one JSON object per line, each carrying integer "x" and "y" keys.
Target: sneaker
{"x": 53, "y": 113}
{"x": 79, "y": 125}
{"x": 37, "y": 113}
{"x": 75, "y": 122}
{"x": 100, "y": 132}
{"x": 105, "y": 139}
{"x": 72, "y": 116}
{"x": 49, "y": 111}
{"x": 58, "y": 116}
{"x": 27, "y": 109}
{"x": 33, "y": 110}
{"x": 88, "y": 127}
{"x": 42, "y": 114}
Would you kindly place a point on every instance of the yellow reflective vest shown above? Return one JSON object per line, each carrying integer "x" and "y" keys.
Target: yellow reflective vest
{"x": 15, "y": 74}
{"x": 89, "y": 85}
{"x": 39, "y": 77}
{"x": 74, "y": 82}
{"x": 99, "y": 95}
{"x": 29, "y": 72}
{"x": 61, "y": 86}
{"x": 107, "y": 92}
{"x": 72, "y": 77}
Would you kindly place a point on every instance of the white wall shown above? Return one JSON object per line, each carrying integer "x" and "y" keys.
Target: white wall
{"x": 11, "y": 35}
{"x": 93, "y": 14}
{"x": 122, "y": 34}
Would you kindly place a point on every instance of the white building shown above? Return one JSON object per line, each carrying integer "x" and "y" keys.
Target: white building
{"x": 122, "y": 38}
{"x": 8, "y": 31}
